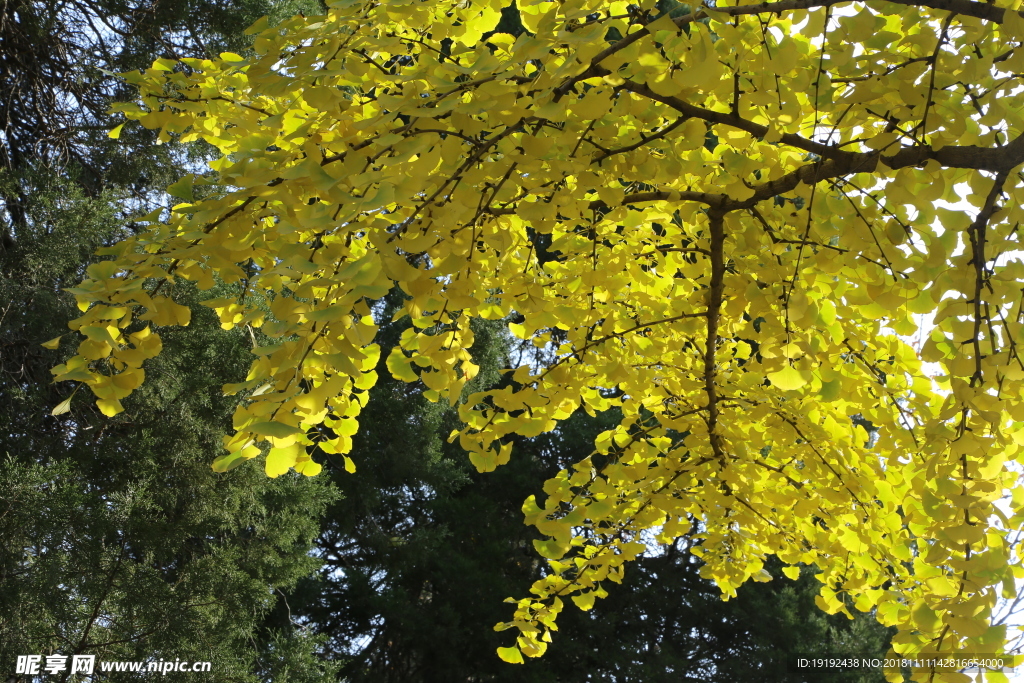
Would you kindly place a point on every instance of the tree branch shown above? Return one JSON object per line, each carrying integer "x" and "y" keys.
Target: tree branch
{"x": 715, "y": 297}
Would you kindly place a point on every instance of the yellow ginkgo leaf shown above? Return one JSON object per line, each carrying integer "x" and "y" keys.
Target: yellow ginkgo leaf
{"x": 787, "y": 379}
{"x": 584, "y": 601}
{"x": 62, "y": 407}
{"x": 280, "y": 460}
{"x": 109, "y": 407}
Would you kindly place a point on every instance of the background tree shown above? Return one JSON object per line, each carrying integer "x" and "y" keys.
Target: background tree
{"x": 114, "y": 539}
{"x": 56, "y": 64}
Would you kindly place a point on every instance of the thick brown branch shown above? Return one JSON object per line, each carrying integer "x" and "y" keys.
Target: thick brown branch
{"x": 730, "y": 119}
{"x": 977, "y": 235}
{"x": 637, "y": 198}
{"x": 968, "y": 8}
{"x": 716, "y": 290}
{"x": 1000, "y": 159}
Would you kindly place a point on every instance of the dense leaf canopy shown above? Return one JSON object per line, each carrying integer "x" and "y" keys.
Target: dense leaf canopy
{"x": 716, "y": 222}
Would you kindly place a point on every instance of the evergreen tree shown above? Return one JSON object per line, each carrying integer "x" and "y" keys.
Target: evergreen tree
{"x": 116, "y": 539}
{"x": 57, "y": 81}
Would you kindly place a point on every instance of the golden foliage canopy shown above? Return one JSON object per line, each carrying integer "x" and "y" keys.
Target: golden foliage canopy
{"x": 719, "y": 222}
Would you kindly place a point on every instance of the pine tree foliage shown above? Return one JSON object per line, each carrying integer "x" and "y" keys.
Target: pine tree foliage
{"x": 103, "y": 549}
{"x": 718, "y": 222}
{"x": 56, "y": 64}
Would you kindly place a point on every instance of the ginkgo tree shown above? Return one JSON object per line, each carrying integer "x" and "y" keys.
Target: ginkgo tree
{"x": 719, "y": 222}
